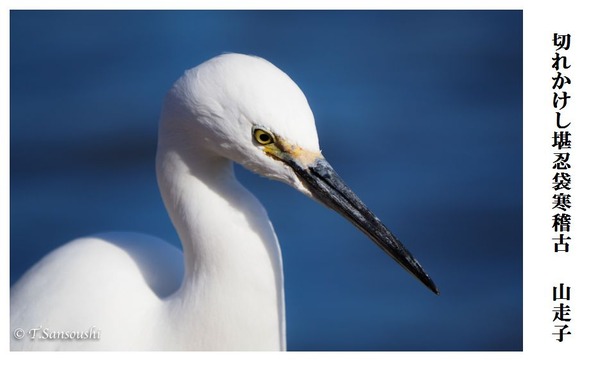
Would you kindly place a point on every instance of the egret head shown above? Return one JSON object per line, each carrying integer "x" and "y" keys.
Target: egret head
{"x": 245, "y": 109}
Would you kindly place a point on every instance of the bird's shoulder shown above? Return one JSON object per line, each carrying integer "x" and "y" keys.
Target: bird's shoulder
{"x": 103, "y": 265}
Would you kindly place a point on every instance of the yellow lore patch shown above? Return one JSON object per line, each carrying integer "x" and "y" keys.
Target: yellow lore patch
{"x": 281, "y": 147}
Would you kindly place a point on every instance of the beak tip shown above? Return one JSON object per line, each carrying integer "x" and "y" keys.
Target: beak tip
{"x": 428, "y": 282}
{"x": 434, "y": 288}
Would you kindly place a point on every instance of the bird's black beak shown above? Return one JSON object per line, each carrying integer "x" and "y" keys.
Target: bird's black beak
{"x": 326, "y": 186}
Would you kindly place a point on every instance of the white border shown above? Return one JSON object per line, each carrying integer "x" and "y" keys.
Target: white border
{"x": 544, "y": 362}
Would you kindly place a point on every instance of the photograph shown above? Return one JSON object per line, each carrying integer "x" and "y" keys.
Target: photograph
{"x": 249, "y": 180}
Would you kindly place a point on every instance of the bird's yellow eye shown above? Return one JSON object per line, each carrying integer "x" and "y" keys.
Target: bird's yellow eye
{"x": 263, "y": 137}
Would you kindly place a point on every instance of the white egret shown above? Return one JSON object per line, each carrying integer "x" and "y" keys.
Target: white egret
{"x": 124, "y": 291}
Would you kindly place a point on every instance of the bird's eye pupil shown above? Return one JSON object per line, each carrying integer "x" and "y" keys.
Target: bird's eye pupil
{"x": 262, "y": 137}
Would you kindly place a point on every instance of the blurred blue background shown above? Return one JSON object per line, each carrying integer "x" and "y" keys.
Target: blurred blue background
{"x": 420, "y": 112}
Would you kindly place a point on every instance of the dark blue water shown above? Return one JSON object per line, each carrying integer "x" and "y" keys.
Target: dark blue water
{"x": 420, "y": 112}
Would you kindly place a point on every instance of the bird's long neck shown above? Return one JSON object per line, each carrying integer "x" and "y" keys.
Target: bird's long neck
{"x": 232, "y": 293}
